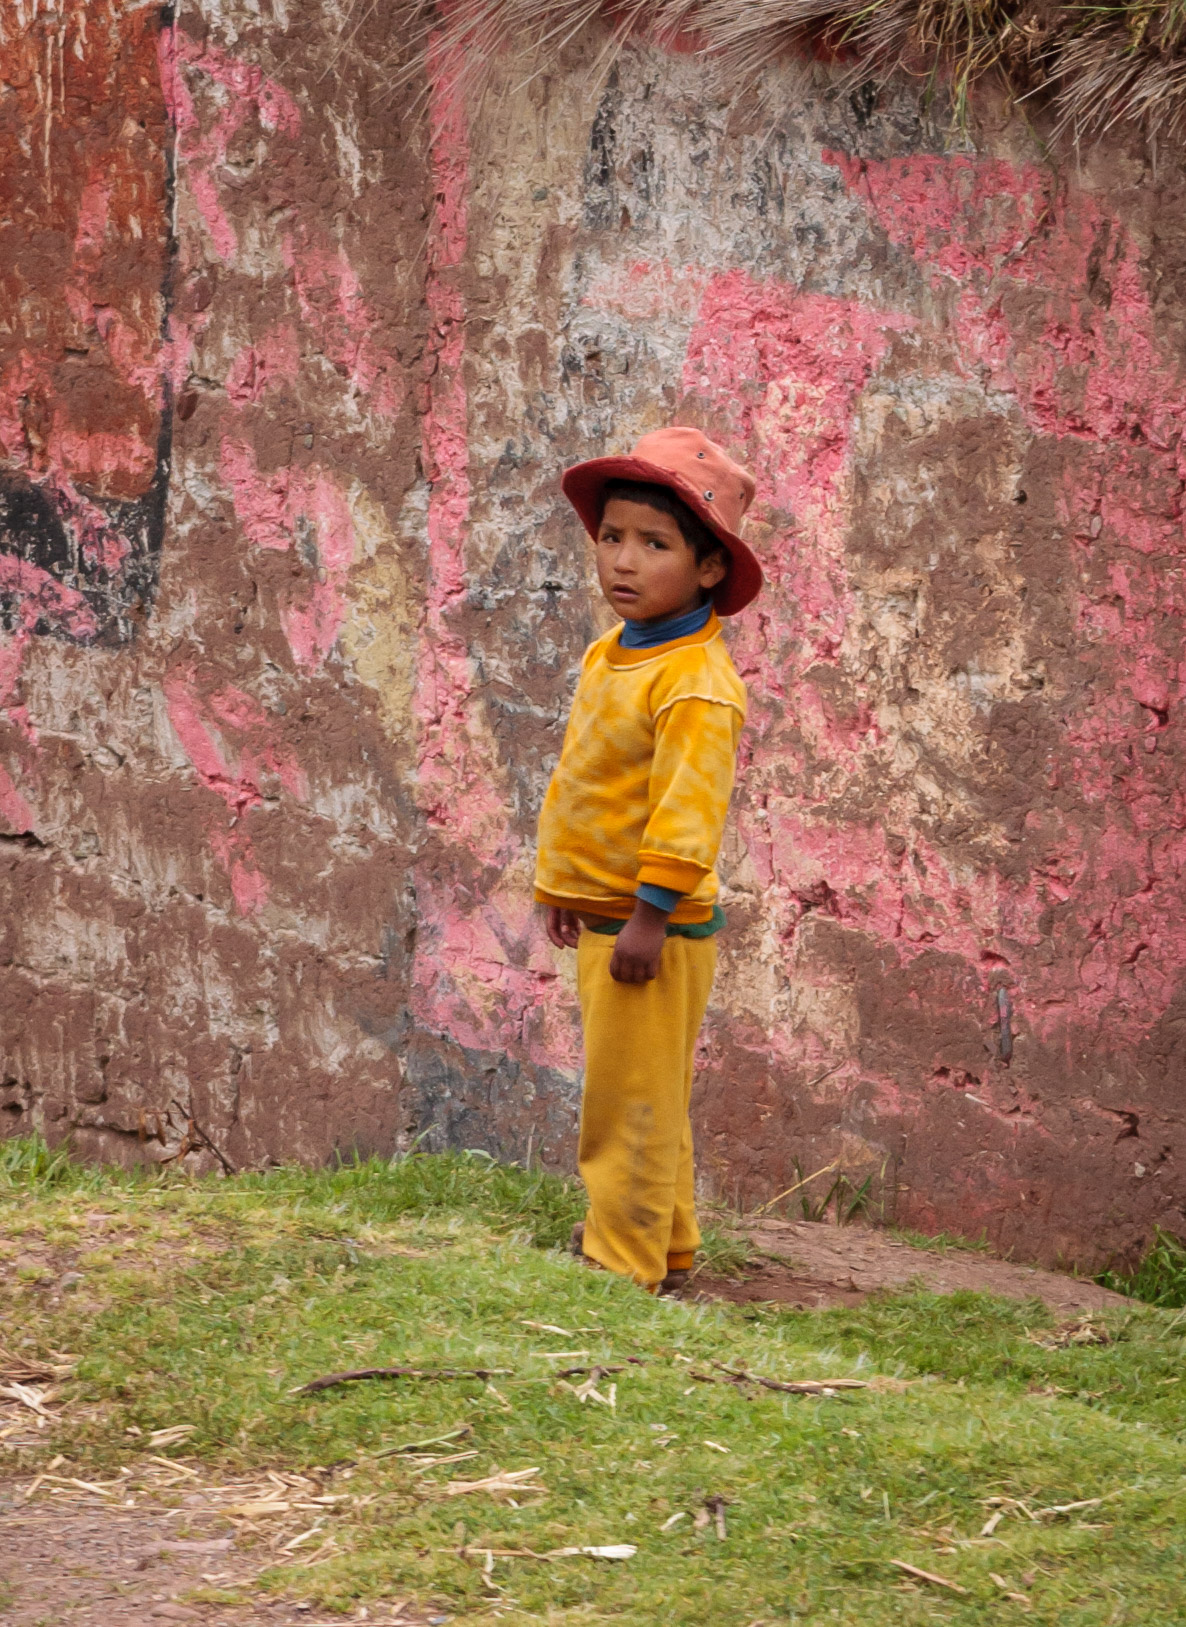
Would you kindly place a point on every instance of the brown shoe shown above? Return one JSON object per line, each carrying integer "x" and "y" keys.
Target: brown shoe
{"x": 576, "y": 1247}
{"x": 673, "y": 1285}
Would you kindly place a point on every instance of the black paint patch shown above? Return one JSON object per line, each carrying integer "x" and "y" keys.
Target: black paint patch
{"x": 46, "y": 527}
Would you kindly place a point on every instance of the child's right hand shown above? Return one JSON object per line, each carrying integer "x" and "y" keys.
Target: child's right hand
{"x": 564, "y": 927}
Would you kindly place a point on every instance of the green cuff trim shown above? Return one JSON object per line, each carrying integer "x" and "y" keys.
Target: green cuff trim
{"x": 685, "y": 929}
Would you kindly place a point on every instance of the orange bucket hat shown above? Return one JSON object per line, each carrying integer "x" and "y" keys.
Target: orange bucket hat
{"x": 702, "y": 475}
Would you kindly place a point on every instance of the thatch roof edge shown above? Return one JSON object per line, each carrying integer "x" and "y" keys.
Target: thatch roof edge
{"x": 1098, "y": 66}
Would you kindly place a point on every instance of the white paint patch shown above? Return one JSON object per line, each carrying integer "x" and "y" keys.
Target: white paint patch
{"x": 349, "y": 157}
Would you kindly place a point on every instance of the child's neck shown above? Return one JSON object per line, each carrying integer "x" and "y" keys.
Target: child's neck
{"x": 640, "y": 635}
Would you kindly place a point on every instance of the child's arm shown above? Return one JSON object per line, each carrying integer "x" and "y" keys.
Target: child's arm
{"x": 691, "y": 781}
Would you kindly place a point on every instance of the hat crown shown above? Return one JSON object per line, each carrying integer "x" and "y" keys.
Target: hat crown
{"x": 691, "y": 457}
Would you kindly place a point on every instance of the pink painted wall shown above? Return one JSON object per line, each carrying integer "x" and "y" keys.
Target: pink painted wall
{"x": 269, "y": 771}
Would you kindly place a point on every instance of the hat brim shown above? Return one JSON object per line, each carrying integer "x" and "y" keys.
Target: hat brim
{"x": 584, "y": 485}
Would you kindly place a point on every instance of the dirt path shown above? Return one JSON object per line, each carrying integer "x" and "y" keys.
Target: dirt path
{"x": 811, "y": 1265}
{"x": 79, "y": 1564}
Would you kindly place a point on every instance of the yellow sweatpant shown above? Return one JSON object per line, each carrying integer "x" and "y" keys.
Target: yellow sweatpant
{"x": 636, "y": 1140}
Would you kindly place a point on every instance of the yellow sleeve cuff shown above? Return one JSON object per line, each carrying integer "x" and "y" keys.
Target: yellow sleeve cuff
{"x": 660, "y": 870}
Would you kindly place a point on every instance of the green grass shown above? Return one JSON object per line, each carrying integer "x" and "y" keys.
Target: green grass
{"x": 206, "y": 1302}
{"x": 942, "y": 1242}
{"x": 1160, "y": 1279}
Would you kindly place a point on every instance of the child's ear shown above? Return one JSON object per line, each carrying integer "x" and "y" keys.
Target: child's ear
{"x": 713, "y": 570}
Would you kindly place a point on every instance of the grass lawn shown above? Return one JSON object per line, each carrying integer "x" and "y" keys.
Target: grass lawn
{"x": 206, "y": 1302}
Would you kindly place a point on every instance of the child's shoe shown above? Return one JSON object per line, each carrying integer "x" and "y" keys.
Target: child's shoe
{"x": 673, "y": 1285}
{"x": 576, "y": 1247}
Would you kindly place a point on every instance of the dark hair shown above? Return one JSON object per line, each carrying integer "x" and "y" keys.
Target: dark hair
{"x": 695, "y": 533}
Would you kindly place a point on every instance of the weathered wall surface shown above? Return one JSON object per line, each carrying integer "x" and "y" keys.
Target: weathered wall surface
{"x": 288, "y": 369}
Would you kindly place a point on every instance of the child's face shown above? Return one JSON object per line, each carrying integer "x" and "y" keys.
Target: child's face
{"x": 646, "y": 569}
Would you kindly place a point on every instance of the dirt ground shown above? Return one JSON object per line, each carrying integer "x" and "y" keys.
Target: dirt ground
{"x": 71, "y": 1555}
{"x": 806, "y": 1264}
{"x": 82, "y": 1565}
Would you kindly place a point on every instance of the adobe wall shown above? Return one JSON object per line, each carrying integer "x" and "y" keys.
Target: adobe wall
{"x": 292, "y": 609}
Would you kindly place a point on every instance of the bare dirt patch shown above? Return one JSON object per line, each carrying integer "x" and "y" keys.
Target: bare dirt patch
{"x": 813, "y": 1266}
{"x": 79, "y": 1564}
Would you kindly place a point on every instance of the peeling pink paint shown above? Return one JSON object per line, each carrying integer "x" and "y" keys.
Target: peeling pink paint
{"x": 239, "y": 712}
{"x": 788, "y": 367}
{"x": 100, "y": 303}
{"x": 343, "y": 325}
{"x": 971, "y": 222}
{"x": 41, "y": 595}
{"x": 262, "y": 503}
{"x": 14, "y": 810}
{"x": 313, "y": 628}
{"x": 60, "y": 456}
{"x": 237, "y": 777}
{"x": 234, "y": 852}
{"x": 1098, "y": 376}
{"x": 196, "y": 724}
{"x": 273, "y": 510}
{"x": 257, "y": 368}
{"x": 12, "y": 653}
{"x": 956, "y": 214}
{"x": 205, "y": 751}
{"x": 247, "y": 90}
{"x": 86, "y": 456}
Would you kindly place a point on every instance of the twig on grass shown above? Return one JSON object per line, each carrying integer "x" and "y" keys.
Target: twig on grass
{"x": 576, "y": 1372}
{"x": 613, "y": 1550}
{"x": 501, "y": 1482}
{"x": 70, "y": 1480}
{"x": 433, "y": 1440}
{"x": 29, "y": 1397}
{"x": 926, "y": 1576}
{"x": 588, "y": 1391}
{"x": 1070, "y": 1508}
{"x": 1012, "y": 1505}
{"x": 442, "y": 1373}
{"x": 805, "y": 1386}
{"x": 21, "y": 1370}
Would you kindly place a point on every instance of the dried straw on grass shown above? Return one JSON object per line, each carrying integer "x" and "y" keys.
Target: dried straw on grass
{"x": 1098, "y": 65}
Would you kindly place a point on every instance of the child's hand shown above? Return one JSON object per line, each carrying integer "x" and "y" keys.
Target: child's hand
{"x": 639, "y": 945}
{"x": 564, "y": 927}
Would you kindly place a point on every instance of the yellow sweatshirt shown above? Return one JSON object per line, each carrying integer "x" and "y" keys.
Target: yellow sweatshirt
{"x": 643, "y": 783}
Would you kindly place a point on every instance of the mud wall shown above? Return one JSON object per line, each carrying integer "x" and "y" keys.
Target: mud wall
{"x": 292, "y": 609}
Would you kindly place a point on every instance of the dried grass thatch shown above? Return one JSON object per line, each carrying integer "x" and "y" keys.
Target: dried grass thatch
{"x": 1097, "y": 65}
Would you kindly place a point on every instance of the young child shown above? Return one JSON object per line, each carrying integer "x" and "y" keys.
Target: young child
{"x": 631, "y": 824}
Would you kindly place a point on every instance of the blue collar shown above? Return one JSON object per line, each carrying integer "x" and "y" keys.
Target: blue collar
{"x": 642, "y": 635}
